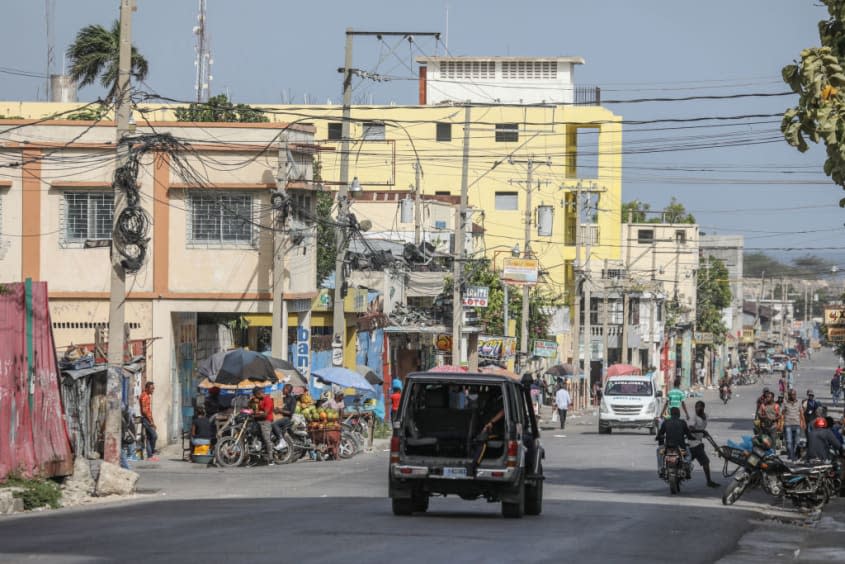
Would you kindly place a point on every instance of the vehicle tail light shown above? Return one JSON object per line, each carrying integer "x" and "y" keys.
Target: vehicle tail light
{"x": 394, "y": 449}
{"x": 513, "y": 451}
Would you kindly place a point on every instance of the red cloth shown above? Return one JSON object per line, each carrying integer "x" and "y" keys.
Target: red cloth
{"x": 394, "y": 400}
{"x": 146, "y": 405}
{"x": 266, "y": 405}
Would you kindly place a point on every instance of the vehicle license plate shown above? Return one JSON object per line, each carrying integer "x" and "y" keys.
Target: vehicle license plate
{"x": 454, "y": 472}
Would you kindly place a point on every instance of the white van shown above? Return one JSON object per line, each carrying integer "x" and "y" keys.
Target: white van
{"x": 629, "y": 402}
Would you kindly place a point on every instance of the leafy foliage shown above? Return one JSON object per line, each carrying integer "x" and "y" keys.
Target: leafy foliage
{"x": 35, "y": 493}
{"x": 818, "y": 79}
{"x": 326, "y": 245}
{"x": 714, "y": 295}
{"x": 220, "y": 109}
{"x": 636, "y": 211}
{"x": 756, "y": 264}
{"x": 95, "y": 53}
{"x": 91, "y": 113}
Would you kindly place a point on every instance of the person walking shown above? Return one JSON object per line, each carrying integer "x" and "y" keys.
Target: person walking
{"x": 562, "y": 403}
{"x": 147, "y": 422}
{"x": 698, "y": 428}
{"x": 835, "y": 388}
{"x": 675, "y": 398}
{"x": 793, "y": 422}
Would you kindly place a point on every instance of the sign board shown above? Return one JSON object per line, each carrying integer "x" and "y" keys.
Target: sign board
{"x": 836, "y": 334}
{"x": 545, "y": 349}
{"x": 494, "y": 348}
{"x": 476, "y": 296}
{"x": 703, "y": 338}
{"x": 747, "y": 336}
{"x": 834, "y": 316}
{"x": 520, "y": 271}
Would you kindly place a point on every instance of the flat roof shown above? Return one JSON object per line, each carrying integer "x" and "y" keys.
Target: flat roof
{"x": 562, "y": 59}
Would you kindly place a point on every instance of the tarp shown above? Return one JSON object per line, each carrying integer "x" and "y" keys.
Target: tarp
{"x": 623, "y": 370}
{"x": 33, "y": 435}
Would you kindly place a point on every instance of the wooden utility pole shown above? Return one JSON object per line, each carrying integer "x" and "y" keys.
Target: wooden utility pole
{"x": 279, "y": 334}
{"x": 460, "y": 235}
{"x": 526, "y": 253}
{"x": 576, "y": 329}
{"x": 604, "y": 322}
{"x": 117, "y": 298}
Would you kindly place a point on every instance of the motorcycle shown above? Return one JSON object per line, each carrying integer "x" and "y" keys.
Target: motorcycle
{"x": 807, "y": 486}
{"x": 725, "y": 394}
{"x": 675, "y": 468}
{"x": 240, "y": 442}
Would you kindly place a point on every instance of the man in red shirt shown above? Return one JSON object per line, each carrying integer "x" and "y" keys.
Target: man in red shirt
{"x": 264, "y": 416}
{"x": 146, "y": 403}
{"x": 395, "y": 398}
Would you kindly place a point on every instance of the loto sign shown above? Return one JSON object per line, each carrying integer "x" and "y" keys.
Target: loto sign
{"x": 476, "y": 296}
{"x": 834, "y": 316}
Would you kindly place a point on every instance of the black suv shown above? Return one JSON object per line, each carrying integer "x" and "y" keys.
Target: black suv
{"x": 471, "y": 435}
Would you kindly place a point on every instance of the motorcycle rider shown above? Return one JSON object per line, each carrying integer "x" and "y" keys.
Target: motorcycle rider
{"x": 725, "y": 388}
{"x": 673, "y": 434}
{"x": 262, "y": 407}
{"x": 286, "y": 411}
{"x": 697, "y": 452}
{"x": 821, "y": 441}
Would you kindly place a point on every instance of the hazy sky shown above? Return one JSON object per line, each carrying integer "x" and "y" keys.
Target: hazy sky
{"x": 266, "y": 50}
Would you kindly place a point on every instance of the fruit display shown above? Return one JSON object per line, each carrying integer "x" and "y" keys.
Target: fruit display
{"x": 319, "y": 418}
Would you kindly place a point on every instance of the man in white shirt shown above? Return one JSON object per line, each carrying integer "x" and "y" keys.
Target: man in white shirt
{"x": 562, "y": 403}
{"x": 697, "y": 452}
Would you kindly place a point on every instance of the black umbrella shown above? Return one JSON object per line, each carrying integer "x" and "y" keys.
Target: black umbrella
{"x": 241, "y": 364}
{"x": 560, "y": 370}
{"x": 369, "y": 374}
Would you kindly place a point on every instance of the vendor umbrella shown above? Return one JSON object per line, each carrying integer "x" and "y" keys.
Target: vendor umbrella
{"x": 242, "y": 364}
{"x": 370, "y": 375}
{"x": 560, "y": 370}
{"x": 344, "y": 378}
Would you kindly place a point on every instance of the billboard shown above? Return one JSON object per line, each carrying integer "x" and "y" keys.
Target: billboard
{"x": 520, "y": 271}
{"x": 475, "y": 296}
{"x": 834, "y": 316}
{"x": 545, "y": 349}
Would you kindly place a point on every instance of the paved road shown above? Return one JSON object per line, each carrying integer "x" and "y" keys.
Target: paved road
{"x": 603, "y": 503}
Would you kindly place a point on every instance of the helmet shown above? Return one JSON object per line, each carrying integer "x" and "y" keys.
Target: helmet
{"x": 820, "y": 423}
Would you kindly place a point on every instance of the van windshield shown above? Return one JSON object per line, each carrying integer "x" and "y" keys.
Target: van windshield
{"x": 628, "y": 388}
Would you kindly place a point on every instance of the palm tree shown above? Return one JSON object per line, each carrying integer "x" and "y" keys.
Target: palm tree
{"x": 95, "y": 52}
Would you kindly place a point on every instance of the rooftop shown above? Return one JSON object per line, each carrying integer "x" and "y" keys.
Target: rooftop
{"x": 562, "y": 59}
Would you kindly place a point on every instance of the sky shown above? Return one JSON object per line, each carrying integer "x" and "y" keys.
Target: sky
{"x": 738, "y": 179}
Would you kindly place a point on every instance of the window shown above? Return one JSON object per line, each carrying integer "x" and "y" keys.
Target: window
{"x": 335, "y": 131}
{"x": 442, "y": 192}
{"x": 531, "y": 70}
{"x": 507, "y": 201}
{"x": 681, "y": 237}
{"x": 507, "y": 132}
{"x": 373, "y": 130}
{"x": 457, "y": 70}
{"x": 221, "y": 219}
{"x": 645, "y": 236}
{"x": 444, "y": 131}
{"x": 88, "y": 215}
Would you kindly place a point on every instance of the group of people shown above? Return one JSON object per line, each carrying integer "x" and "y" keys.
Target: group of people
{"x": 792, "y": 418}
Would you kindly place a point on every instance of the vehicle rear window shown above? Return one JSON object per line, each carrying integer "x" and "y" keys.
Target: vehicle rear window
{"x": 628, "y": 388}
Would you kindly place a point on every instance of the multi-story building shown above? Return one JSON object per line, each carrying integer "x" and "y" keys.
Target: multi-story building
{"x": 729, "y": 249}
{"x": 211, "y": 243}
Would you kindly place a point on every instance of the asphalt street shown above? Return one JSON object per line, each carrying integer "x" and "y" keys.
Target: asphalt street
{"x": 603, "y": 503}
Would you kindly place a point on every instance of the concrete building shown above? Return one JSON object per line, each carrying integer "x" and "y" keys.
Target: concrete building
{"x": 211, "y": 247}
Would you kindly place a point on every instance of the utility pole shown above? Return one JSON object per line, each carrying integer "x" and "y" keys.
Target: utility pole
{"x": 460, "y": 235}
{"x": 417, "y": 204}
{"x": 339, "y": 316}
{"x": 783, "y": 312}
{"x": 577, "y": 317}
{"x": 588, "y": 301}
{"x": 604, "y": 321}
{"x": 279, "y": 334}
{"x": 117, "y": 299}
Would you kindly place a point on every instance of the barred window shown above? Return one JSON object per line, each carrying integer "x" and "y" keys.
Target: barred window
{"x": 507, "y": 132}
{"x": 88, "y": 215}
{"x": 221, "y": 219}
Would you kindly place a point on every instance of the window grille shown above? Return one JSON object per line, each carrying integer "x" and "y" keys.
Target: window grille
{"x": 467, "y": 70}
{"x": 444, "y": 131}
{"x": 373, "y": 130}
{"x": 221, "y": 219}
{"x": 529, "y": 70}
{"x": 506, "y": 201}
{"x": 507, "y": 132}
{"x": 335, "y": 131}
{"x": 645, "y": 236}
{"x": 88, "y": 215}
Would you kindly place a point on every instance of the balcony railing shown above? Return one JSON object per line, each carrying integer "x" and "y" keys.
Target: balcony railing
{"x": 587, "y": 96}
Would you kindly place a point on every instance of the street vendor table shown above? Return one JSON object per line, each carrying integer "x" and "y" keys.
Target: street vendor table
{"x": 327, "y": 441}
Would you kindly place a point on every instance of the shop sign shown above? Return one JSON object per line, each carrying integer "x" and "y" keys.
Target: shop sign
{"x": 303, "y": 350}
{"x": 520, "y": 271}
{"x": 496, "y": 348}
{"x": 323, "y": 301}
{"x": 834, "y": 316}
{"x": 476, "y": 296}
{"x": 703, "y": 338}
{"x": 545, "y": 349}
{"x": 836, "y": 334}
{"x": 748, "y": 336}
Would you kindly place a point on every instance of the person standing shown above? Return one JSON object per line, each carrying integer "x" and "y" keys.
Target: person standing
{"x": 699, "y": 429}
{"x": 147, "y": 421}
{"x": 793, "y": 422}
{"x": 262, "y": 406}
{"x": 808, "y": 411}
{"x": 562, "y": 403}
{"x": 835, "y": 388}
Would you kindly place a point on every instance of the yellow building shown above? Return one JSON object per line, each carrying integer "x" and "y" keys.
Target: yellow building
{"x": 524, "y": 113}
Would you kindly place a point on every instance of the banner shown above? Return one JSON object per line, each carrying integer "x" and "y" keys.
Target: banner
{"x": 520, "y": 271}
{"x": 475, "y": 296}
{"x": 545, "y": 349}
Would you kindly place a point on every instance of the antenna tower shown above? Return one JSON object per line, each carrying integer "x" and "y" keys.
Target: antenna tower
{"x": 203, "y": 59}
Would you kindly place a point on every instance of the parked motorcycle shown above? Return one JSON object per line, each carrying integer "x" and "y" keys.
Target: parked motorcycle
{"x": 675, "y": 468}
{"x": 240, "y": 442}
{"x": 808, "y": 486}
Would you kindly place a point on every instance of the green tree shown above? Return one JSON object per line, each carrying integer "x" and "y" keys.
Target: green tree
{"x": 713, "y": 295}
{"x": 818, "y": 79}
{"x": 635, "y": 211}
{"x": 675, "y": 212}
{"x": 757, "y": 264}
{"x": 326, "y": 249}
{"x": 220, "y": 109}
{"x": 94, "y": 54}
